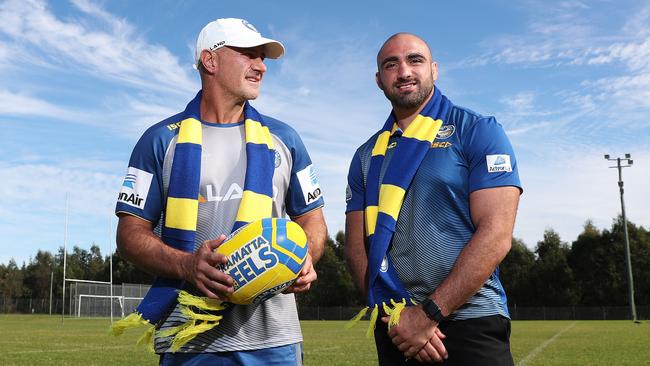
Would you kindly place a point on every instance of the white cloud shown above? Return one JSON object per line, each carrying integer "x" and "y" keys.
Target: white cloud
{"x": 32, "y": 204}
{"x": 116, "y": 53}
{"x": 21, "y": 104}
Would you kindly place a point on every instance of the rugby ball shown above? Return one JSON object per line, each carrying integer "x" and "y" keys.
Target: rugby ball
{"x": 264, "y": 258}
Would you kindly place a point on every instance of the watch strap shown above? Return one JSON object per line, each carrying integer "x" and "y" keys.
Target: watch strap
{"x": 432, "y": 310}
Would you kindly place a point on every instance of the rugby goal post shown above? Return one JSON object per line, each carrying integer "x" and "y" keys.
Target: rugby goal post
{"x": 127, "y": 304}
{"x": 74, "y": 280}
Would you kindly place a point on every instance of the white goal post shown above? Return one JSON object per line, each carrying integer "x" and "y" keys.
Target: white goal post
{"x": 121, "y": 301}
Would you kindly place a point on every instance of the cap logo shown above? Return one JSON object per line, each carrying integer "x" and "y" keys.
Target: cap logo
{"x": 217, "y": 45}
{"x": 249, "y": 25}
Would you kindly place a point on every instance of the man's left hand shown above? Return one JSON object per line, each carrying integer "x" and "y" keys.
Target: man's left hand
{"x": 305, "y": 278}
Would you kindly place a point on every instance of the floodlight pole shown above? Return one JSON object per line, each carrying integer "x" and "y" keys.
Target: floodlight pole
{"x": 628, "y": 261}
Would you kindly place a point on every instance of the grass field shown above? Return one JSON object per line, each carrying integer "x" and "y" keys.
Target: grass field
{"x": 44, "y": 340}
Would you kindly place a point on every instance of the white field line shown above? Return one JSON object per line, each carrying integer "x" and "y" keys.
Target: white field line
{"x": 67, "y": 350}
{"x": 539, "y": 348}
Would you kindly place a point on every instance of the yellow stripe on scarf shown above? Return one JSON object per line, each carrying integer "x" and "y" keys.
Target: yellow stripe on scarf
{"x": 254, "y": 206}
{"x": 181, "y": 213}
{"x": 390, "y": 200}
{"x": 423, "y": 128}
{"x": 190, "y": 132}
{"x": 258, "y": 134}
{"x": 381, "y": 144}
{"x": 371, "y": 219}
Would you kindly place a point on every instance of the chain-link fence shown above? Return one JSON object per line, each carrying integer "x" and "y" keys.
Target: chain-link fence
{"x": 83, "y": 303}
{"x": 82, "y": 300}
{"x": 516, "y": 313}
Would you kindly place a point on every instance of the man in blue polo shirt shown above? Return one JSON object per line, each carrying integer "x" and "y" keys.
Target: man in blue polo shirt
{"x": 448, "y": 206}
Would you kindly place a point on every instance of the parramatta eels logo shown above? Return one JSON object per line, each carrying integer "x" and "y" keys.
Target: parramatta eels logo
{"x": 277, "y": 159}
{"x": 384, "y": 264}
{"x": 446, "y": 131}
{"x": 249, "y": 26}
{"x": 250, "y": 261}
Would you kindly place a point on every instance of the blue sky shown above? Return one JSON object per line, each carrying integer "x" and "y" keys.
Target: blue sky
{"x": 81, "y": 80}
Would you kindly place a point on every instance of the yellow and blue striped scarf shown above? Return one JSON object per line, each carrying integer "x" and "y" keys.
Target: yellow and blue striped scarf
{"x": 383, "y": 202}
{"x": 180, "y": 223}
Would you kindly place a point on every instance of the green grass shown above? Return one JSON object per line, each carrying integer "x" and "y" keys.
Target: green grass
{"x": 44, "y": 340}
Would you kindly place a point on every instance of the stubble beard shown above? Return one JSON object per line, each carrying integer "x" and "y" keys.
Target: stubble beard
{"x": 410, "y": 100}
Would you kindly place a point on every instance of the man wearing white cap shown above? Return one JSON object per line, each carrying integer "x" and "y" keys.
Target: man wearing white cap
{"x": 240, "y": 173}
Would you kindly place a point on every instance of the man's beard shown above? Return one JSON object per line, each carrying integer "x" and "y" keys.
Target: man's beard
{"x": 410, "y": 100}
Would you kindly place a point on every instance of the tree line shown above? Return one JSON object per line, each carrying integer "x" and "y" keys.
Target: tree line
{"x": 590, "y": 271}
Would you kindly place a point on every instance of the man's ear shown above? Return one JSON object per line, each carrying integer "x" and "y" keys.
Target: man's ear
{"x": 208, "y": 61}
{"x": 378, "y": 81}
{"x": 434, "y": 70}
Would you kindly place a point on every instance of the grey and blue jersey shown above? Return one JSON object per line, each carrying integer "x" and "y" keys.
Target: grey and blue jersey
{"x": 470, "y": 152}
{"x": 296, "y": 191}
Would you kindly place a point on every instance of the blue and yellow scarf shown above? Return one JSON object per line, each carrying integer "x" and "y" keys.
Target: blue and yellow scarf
{"x": 383, "y": 202}
{"x": 180, "y": 223}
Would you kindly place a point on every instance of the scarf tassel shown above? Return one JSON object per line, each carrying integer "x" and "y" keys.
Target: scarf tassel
{"x": 352, "y": 322}
{"x": 197, "y": 323}
{"x": 190, "y": 332}
{"x": 134, "y": 320}
{"x": 373, "y": 321}
{"x": 394, "y": 311}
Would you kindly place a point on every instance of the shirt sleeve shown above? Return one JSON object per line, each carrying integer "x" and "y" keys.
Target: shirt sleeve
{"x": 304, "y": 193}
{"x": 355, "y": 194}
{"x": 141, "y": 193}
{"x": 491, "y": 159}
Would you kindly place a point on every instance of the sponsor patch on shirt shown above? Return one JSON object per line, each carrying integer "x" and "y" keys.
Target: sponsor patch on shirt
{"x": 135, "y": 188}
{"x": 498, "y": 163}
{"x": 309, "y": 184}
{"x": 348, "y": 193}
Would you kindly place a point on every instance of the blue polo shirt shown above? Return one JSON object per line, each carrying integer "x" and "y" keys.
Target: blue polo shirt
{"x": 470, "y": 152}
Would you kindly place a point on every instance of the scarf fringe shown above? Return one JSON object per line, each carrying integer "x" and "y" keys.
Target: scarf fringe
{"x": 133, "y": 320}
{"x": 394, "y": 310}
{"x": 197, "y": 323}
{"x": 373, "y": 321}
{"x": 203, "y": 303}
{"x": 190, "y": 333}
{"x": 352, "y": 322}
{"x": 147, "y": 339}
{"x": 172, "y": 331}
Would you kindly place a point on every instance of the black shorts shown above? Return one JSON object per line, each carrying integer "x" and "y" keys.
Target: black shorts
{"x": 481, "y": 342}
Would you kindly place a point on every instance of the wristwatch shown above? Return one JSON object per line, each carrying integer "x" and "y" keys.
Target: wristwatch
{"x": 432, "y": 310}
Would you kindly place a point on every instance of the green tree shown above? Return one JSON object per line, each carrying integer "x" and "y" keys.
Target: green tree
{"x": 514, "y": 273}
{"x": 95, "y": 269}
{"x": 551, "y": 278}
{"x": 11, "y": 280}
{"x": 334, "y": 285}
{"x": 37, "y": 275}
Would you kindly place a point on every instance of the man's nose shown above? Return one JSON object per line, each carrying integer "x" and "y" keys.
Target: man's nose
{"x": 258, "y": 65}
{"x": 404, "y": 71}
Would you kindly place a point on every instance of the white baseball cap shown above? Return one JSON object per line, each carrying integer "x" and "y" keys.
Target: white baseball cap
{"x": 234, "y": 32}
